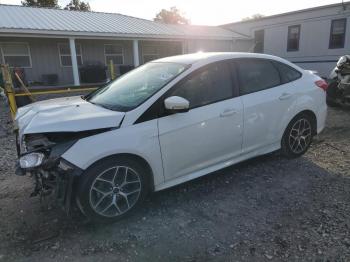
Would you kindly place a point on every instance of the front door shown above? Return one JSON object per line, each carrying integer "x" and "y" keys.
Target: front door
{"x": 211, "y": 131}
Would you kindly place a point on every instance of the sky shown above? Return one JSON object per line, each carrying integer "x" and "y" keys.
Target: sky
{"x": 200, "y": 12}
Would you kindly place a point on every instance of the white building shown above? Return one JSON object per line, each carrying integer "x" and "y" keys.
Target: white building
{"x": 313, "y": 38}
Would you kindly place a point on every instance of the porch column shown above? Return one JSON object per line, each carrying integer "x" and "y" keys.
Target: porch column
{"x": 73, "y": 54}
{"x": 183, "y": 46}
{"x": 135, "y": 48}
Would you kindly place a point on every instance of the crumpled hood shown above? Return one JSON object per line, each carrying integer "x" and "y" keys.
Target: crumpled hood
{"x": 69, "y": 114}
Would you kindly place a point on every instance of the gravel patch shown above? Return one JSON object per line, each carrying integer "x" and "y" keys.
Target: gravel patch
{"x": 265, "y": 209}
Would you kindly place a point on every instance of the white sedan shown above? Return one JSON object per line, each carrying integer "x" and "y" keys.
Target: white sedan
{"x": 164, "y": 123}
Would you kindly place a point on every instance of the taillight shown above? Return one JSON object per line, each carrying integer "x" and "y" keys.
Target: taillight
{"x": 322, "y": 84}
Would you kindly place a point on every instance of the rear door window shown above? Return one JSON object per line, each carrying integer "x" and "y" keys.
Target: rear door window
{"x": 256, "y": 74}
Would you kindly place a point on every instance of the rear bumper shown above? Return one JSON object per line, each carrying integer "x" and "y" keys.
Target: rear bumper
{"x": 321, "y": 118}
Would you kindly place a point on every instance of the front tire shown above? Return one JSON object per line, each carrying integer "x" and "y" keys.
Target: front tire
{"x": 298, "y": 136}
{"x": 112, "y": 188}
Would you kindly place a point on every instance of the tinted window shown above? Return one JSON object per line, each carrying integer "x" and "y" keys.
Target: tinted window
{"x": 293, "y": 38}
{"x": 287, "y": 73}
{"x": 255, "y": 75}
{"x": 206, "y": 86}
{"x": 337, "y": 36}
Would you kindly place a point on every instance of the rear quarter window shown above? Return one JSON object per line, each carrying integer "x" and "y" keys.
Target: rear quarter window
{"x": 287, "y": 73}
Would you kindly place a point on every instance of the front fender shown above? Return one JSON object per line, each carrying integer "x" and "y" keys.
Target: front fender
{"x": 140, "y": 140}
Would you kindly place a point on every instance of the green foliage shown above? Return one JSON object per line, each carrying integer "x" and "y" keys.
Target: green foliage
{"x": 172, "y": 16}
{"x": 77, "y": 5}
{"x": 41, "y": 3}
{"x": 253, "y": 17}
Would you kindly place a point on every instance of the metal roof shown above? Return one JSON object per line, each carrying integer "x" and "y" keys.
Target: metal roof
{"x": 30, "y": 20}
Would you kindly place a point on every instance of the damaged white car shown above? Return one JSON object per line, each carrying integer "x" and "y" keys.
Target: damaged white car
{"x": 164, "y": 123}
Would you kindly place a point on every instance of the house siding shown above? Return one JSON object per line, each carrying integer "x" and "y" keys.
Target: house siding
{"x": 315, "y": 25}
{"x": 46, "y": 60}
{"x": 209, "y": 46}
{"x": 164, "y": 48}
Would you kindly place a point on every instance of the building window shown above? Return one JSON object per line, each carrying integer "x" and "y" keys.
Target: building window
{"x": 259, "y": 38}
{"x": 149, "y": 53}
{"x": 114, "y": 53}
{"x": 16, "y": 54}
{"x": 293, "y": 38}
{"x": 65, "y": 57}
{"x": 337, "y": 36}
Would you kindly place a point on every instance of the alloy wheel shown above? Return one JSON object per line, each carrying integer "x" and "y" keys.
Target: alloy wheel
{"x": 115, "y": 191}
{"x": 300, "y": 136}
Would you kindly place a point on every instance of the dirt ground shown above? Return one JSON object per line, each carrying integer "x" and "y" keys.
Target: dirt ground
{"x": 265, "y": 209}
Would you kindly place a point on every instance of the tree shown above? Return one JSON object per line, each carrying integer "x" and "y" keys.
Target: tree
{"x": 77, "y": 5}
{"x": 41, "y": 3}
{"x": 172, "y": 16}
{"x": 253, "y": 17}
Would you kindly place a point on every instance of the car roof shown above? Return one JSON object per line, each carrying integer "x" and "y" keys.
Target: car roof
{"x": 212, "y": 56}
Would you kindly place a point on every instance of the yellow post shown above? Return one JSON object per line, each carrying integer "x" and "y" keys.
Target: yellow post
{"x": 9, "y": 90}
{"x": 111, "y": 69}
{"x": 24, "y": 88}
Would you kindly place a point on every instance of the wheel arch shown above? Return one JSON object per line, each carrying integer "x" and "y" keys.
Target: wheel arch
{"x": 135, "y": 157}
{"x": 307, "y": 113}
{"x": 312, "y": 116}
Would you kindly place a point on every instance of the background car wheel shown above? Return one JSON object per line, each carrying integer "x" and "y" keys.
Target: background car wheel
{"x": 112, "y": 188}
{"x": 298, "y": 136}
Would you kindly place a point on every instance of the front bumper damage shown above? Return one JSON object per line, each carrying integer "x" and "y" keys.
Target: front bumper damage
{"x": 56, "y": 180}
{"x": 54, "y": 176}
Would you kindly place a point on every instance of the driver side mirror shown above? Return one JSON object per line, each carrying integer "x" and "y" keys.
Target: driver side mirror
{"x": 176, "y": 104}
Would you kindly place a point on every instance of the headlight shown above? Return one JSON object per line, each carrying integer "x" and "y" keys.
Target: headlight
{"x": 31, "y": 160}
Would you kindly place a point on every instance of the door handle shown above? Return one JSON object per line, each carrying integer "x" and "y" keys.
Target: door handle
{"x": 228, "y": 112}
{"x": 285, "y": 96}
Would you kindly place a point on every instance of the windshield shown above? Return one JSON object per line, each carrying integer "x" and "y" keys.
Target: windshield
{"x": 135, "y": 87}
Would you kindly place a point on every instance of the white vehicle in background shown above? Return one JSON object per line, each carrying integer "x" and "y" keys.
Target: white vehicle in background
{"x": 165, "y": 123}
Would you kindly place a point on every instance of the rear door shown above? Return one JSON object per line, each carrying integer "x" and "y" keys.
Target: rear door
{"x": 268, "y": 96}
{"x": 211, "y": 131}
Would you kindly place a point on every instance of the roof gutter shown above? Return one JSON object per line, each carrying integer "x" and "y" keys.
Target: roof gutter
{"x": 94, "y": 35}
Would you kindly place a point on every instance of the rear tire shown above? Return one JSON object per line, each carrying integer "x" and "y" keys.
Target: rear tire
{"x": 298, "y": 136}
{"x": 112, "y": 188}
{"x": 332, "y": 94}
